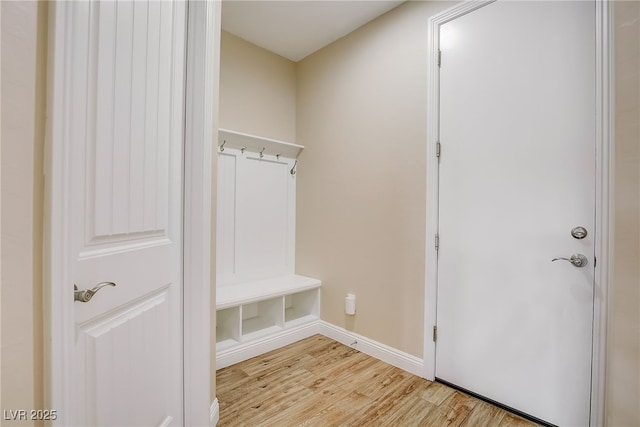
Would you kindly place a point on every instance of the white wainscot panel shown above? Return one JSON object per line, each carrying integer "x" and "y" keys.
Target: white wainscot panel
{"x": 127, "y": 356}
{"x": 263, "y": 218}
{"x": 226, "y": 211}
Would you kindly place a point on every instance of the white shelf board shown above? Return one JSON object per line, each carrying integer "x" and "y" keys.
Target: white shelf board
{"x": 300, "y": 320}
{"x": 245, "y": 293}
{"x": 256, "y": 143}
{"x": 257, "y": 331}
{"x": 225, "y": 344}
{"x": 224, "y": 334}
{"x": 293, "y": 313}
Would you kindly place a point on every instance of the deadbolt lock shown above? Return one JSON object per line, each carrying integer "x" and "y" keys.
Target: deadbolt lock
{"x": 579, "y": 233}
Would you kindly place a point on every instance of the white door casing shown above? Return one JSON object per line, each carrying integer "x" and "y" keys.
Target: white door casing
{"x": 114, "y": 197}
{"x": 483, "y": 246}
{"x": 202, "y": 69}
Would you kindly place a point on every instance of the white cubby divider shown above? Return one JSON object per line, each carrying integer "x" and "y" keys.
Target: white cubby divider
{"x": 261, "y": 318}
{"x": 227, "y": 328}
{"x": 301, "y": 307}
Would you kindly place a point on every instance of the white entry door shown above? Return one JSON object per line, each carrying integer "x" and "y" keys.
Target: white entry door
{"x": 118, "y": 107}
{"x": 517, "y": 175}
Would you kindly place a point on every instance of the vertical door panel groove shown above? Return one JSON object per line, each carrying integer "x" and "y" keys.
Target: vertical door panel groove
{"x": 122, "y": 117}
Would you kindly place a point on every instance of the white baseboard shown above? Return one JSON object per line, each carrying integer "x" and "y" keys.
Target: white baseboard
{"x": 260, "y": 346}
{"x": 390, "y": 355}
{"x": 380, "y": 351}
{"x": 214, "y": 413}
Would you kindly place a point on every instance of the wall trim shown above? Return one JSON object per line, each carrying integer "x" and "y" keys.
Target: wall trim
{"x": 603, "y": 182}
{"x": 383, "y": 352}
{"x": 201, "y": 97}
{"x": 604, "y": 244}
{"x": 260, "y": 346}
{"x": 56, "y": 302}
{"x": 433, "y": 136}
{"x": 214, "y": 413}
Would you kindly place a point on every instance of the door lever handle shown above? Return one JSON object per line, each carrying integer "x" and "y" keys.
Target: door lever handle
{"x": 578, "y": 260}
{"x": 86, "y": 294}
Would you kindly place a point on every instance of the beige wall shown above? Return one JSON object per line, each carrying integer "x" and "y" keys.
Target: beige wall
{"x": 361, "y": 188}
{"x": 361, "y": 115}
{"x": 623, "y": 381}
{"x": 24, "y": 27}
{"x": 257, "y": 90}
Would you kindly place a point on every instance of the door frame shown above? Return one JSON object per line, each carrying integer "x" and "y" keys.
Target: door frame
{"x": 604, "y": 192}
{"x": 201, "y": 94}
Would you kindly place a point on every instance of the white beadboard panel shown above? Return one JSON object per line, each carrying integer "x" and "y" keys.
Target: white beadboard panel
{"x": 226, "y": 211}
{"x": 135, "y": 86}
{"x": 118, "y": 368}
{"x": 262, "y": 217}
{"x": 256, "y": 216}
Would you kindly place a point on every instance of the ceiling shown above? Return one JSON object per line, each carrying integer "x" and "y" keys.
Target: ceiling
{"x": 297, "y": 28}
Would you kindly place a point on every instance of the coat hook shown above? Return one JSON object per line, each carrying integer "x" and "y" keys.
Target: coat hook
{"x": 278, "y": 156}
{"x": 242, "y": 149}
{"x": 293, "y": 169}
{"x": 262, "y": 155}
{"x": 222, "y": 146}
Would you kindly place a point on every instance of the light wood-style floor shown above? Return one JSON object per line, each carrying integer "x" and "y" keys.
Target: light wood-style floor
{"x": 320, "y": 382}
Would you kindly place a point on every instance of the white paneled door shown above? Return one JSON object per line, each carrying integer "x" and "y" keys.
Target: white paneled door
{"x": 121, "y": 88}
{"x": 517, "y": 175}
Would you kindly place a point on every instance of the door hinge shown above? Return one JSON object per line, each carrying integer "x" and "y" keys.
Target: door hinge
{"x": 595, "y": 262}
{"x": 435, "y": 333}
{"x": 437, "y": 242}
{"x": 439, "y": 57}
{"x": 438, "y": 148}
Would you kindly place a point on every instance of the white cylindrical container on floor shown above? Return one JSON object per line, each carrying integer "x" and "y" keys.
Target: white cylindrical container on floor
{"x": 350, "y": 304}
